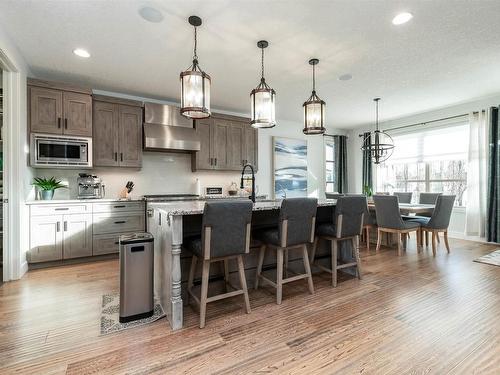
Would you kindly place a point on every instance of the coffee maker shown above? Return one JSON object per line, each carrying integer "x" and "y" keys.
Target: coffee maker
{"x": 89, "y": 187}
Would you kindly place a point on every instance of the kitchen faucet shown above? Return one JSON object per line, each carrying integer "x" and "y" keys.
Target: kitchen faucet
{"x": 242, "y": 185}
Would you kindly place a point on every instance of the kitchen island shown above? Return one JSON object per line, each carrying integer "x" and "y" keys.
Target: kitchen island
{"x": 170, "y": 222}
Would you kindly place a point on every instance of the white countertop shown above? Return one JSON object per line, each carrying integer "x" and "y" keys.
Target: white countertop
{"x": 68, "y": 201}
{"x": 196, "y": 207}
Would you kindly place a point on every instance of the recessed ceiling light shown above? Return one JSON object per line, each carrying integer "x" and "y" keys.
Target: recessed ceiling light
{"x": 151, "y": 14}
{"x": 345, "y": 77}
{"x": 81, "y": 52}
{"x": 402, "y": 18}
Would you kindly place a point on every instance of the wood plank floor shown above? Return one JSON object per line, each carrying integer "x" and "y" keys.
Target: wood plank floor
{"x": 413, "y": 314}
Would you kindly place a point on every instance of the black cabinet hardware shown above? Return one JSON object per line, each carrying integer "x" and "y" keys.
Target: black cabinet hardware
{"x": 62, "y": 209}
{"x": 65, "y": 123}
{"x": 59, "y": 123}
{"x": 120, "y": 222}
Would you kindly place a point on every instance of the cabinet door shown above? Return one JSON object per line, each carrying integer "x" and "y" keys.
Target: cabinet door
{"x": 105, "y": 131}
{"x": 46, "y": 239}
{"x": 251, "y": 146}
{"x": 130, "y": 136}
{"x": 221, "y": 139}
{"x": 203, "y": 159}
{"x": 77, "y": 109}
{"x": 235, "y": 146}
{"x": 77, "y": 236}
{"x": 46, "y": 110}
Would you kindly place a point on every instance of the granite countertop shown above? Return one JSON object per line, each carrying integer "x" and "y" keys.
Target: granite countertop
{"x": 195, "y": 207}
{"x": 67, "y": 201}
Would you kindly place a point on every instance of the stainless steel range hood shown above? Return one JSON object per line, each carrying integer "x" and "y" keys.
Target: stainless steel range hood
{"x": 165, "y": 129}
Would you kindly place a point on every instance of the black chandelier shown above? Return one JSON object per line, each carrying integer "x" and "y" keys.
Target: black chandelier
{"x": 314, "y": 108}
{"x": 263, "y": 99}
{"x": 195, "y": 84}
{"x": 378, "y": 144}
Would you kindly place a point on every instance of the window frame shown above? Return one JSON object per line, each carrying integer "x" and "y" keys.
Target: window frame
{"x": 329, "y": 143}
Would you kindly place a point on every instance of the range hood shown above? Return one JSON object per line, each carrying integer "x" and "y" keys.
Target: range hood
{"x": 165, "y": 129}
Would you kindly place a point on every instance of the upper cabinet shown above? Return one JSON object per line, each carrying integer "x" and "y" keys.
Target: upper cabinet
{"x": 117, "y": 132}
{"x": 59, "y": 108}
{"x": 227, "y": 143}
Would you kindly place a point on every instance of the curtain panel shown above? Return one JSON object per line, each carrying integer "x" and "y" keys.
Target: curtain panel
{"x": 367, "y": 163}
{"x": 477, "y": 160}
{"x": 493, "y": 196}
{"x": 341, "y": 163}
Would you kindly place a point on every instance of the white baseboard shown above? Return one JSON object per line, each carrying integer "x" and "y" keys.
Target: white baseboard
{"x": 462, "y": 236}
{"x": 23, "y": 269}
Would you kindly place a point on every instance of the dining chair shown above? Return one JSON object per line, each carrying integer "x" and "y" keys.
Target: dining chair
{"x": 438, "y": 222}
{"x": 347, "y": 225}
{"x": 225, "y": 236}
{"x": 389, "y": 220}
{"x": 295, "y": 230}
{"x": 333, "y": 195}
{"x": 369, "y": 220}
{"x": 404, "y": 197}
{"x": 428, "y": 198}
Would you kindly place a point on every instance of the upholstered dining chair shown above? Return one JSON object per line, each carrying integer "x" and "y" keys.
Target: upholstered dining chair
{"x": 295, "y": 230}
{"x": 438, "y": 222}
{"x": 428, "y": 198}
{"x": 404, "y": 197}
{"x": 347, "y": 225}
{"x": 225, "y": 235}
{"x": 389, "y": 220}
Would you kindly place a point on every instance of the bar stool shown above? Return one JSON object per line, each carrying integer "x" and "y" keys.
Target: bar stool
{"x": 295, "y": 230}
{"x": 225, "y": 235}
{"x": 369, "y": 221}
{"x": 347, "y": 225}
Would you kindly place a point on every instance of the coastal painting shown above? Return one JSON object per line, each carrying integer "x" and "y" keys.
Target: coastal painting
{"x": 290, "y": 167}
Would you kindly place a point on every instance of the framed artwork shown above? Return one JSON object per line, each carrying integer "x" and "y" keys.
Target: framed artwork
{"x": 290, "y": 167}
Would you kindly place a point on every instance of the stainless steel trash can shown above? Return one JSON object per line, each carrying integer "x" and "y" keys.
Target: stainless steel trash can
{"x": 136, "y": 276}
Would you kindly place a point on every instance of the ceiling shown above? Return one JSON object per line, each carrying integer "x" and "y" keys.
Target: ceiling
{"x": 448, "y": 53}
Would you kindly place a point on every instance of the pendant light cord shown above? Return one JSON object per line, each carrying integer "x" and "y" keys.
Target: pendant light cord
{"x": 262, "y": 63}
{"x": 314, "y": 78}
{"x": 195, "y": 56}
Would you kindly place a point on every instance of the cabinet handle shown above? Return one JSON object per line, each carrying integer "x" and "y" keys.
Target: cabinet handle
{"x": 211, "y": 161}
{"x": 58, "y": 123}
{"x": 62, "y": 209}
{"x": 117, "y": 242}
{"x": 58, "y": 226}
{"x": 116, "y": 156}
{"x": 65, "y": 226}
{"x": 215, "y": 161}
{"x": 159, "y": 219}
{"x": 122, "y": 206}
{"x": 120, "y": 222}
{"x": 121, "y": 156}
{"x": 65, "y": 123}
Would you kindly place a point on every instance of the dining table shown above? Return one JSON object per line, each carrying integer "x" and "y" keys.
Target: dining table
{"x": 410, "y": 208}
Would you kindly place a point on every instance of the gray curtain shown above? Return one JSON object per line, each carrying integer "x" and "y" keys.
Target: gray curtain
{"x": 493, "y": 205}
{"x": 367, "y": 163}
{"x": 341, "y": 162}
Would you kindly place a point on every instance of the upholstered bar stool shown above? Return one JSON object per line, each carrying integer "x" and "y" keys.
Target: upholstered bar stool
{"x": 225, "y": 235}
{"x": 347, "y": 225}
{"x": 389, "y": 220}
{"x": 369, "y": 221}
{"x": 295, "y": 230}
{"x": 438, "y": 222}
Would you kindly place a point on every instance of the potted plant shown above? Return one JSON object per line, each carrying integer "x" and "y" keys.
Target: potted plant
{"x": 47, "y": 186}
{"x": 368, "y": 191}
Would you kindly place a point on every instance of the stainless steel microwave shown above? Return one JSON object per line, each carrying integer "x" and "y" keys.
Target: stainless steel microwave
{"x": 60, "y": 151}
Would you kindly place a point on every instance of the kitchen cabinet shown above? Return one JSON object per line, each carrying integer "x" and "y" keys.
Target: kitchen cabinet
{"x": 117, "y": 133}
{"x": 77, "y": 236}
{"x": 227, "y": 143}
{"x": 56, "y": 108}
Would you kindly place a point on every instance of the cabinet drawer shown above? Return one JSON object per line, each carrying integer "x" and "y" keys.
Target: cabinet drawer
{"x": 118, "y": 222}
{"x": 105, "y": 244}
{"x": 118, "y": 206}
{"x": 63, "y": 209}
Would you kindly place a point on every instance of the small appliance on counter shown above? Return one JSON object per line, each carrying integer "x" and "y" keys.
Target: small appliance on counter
{"x": 90, "y": 187}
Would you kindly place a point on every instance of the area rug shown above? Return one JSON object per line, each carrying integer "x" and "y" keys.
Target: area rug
{"x": 491, "y": 258}
{"x": 110, "y": 315}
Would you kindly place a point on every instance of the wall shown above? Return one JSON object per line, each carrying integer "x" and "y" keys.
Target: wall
{"x": 164, "y": 173}
{"x": 457, "y": 224}
{"x": 18, "y": 183}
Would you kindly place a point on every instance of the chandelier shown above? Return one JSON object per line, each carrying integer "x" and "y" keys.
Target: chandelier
{"x": 378, "y": 143}
{"x": 263, "y": 99}
{"x": 314, "y": 108}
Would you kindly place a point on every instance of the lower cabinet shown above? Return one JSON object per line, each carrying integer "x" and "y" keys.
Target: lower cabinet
{"x": 77, "y": 236}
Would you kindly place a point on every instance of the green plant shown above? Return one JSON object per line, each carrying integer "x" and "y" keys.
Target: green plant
{"x": 48, "y": 183}
{"x": 367, "y": 190}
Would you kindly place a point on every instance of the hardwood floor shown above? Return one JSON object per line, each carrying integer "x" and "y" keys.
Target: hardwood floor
{"x": 412, "y": 314}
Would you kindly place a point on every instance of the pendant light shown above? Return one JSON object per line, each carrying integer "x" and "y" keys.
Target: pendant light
{"x": 195, "y": 84}
{"x": 378, "y": 143}
{"x": 262, "y": 99}
{"x": 314, "y": 108}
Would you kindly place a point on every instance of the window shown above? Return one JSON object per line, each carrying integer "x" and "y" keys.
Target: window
{"x": 330, "y": 166}
{"x": 432, "y": 160}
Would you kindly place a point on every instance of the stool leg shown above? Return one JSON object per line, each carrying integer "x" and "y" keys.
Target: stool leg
{"x": 192, "y": 270}
{"x": 279, "y": 275}
{"x": 285, "y": 266}
{"x": 262, "y": 253}
{"x": 204, "y": 292}
{"x": 368, "y": 239}
{"x": 313, "y": 251}
{"x": 355, "y": 252}
{"x": 379, "y": 240}
{"x": 307, "y": 267}
{"x": 243, "y": 282}
{"x": 334, "y": 263}
{"x": 226, "y": 273}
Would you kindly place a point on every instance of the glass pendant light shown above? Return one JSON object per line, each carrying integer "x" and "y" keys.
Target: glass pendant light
{"x": 378, "y": 143}
{"x": 195, "y": 85}
{"x": 314, "y": 108}
{"x": 262, "y": 99}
